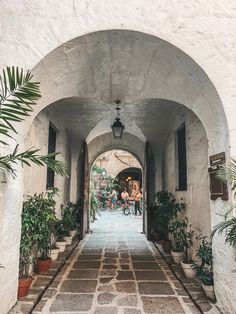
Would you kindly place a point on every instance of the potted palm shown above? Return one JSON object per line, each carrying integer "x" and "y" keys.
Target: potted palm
{"x": 166, "y": 208}
{"x": 203, "y": 267}
{"x": 187, "y": 263}
{"x": 26, "y": 247}
{"x": 177, "y": 227}
{"x": 44, "y": 219}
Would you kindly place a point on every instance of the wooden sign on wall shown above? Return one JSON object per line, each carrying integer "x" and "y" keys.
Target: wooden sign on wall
{"x": 217, "y": 187}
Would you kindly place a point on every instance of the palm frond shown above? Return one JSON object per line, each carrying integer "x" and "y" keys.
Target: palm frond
{"x": 227, "y": 173}
{"x": 17, "y": 97}
{"x": 29, "y": 156}
{"x": 229, "y": 226}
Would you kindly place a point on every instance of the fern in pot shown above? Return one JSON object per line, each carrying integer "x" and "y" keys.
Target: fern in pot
{"x": 177, "y": 227}
{"x": 204, "y": 268}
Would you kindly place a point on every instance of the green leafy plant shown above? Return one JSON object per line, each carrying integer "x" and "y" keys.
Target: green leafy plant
{"x": 18, "y": 95}
{"x": 166, "y": 208}
{"x": 42, "y": 210}
{"x": 178, "y": 227}
{"x": 227, "y": 174}
{"x": 60, "y": 231}
{"x": 94, "y": 206}
{"x": 204, "y": 264}
{"x": 70, "y": 216}
{"x": 27, "y": 239}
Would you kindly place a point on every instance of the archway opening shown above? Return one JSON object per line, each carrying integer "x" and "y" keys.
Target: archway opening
{"x": 112, "y": 174}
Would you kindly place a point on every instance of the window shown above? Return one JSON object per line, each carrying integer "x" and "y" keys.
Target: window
{"x": 51, "y": 149}
{"x": 182, "y": 159}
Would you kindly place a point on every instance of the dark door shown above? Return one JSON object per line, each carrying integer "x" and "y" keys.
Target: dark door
{"x": 83, "y": 188}
{"x": 149, "y": 188}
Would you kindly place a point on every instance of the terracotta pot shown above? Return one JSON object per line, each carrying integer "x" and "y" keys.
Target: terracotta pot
{"x": 177, "y": 256}
{"x": 61, "y": 245}
{"x": 209, "y": 291}
{"x": 54, "y": 254}
{"x": 43, "y": 265}
{"x": 69, "y": 240}
{"x": 23, "y": 287}
{"x": 166, "y": 244}
{"x": 188, "y": 271}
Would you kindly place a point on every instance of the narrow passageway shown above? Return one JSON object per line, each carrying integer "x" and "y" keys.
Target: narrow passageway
{"x": 116, "y": 270}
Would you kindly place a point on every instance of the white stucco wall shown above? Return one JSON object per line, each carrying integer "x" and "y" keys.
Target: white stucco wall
{"x": 203, "y": 30}
{"x": 38, "y": 137}
{"x": 196, "y": 197}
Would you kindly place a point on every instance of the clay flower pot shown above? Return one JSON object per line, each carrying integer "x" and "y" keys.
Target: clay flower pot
{"x": 69, "y": 240}
{"x": 209, "y": 291}
{"x": 61, "y": 245}
{"x": 43, "y": 265}
{"x": 23, "y": 287}
{"x": 177, "y": 256}
{"x": 188, "y": 271}
{"x": 54, "y": 253}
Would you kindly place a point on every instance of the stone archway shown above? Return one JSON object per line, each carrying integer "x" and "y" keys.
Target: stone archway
{"x": 147, "y": 73}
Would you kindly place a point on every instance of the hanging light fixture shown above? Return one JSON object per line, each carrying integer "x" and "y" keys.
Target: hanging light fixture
{"x": 117, "y": 127}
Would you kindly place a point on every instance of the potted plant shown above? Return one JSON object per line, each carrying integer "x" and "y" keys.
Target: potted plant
{"x": 166, "y": 208}
{"x": 60, "y": 233}
{"x": 204, "y": 267}
{"x": 69, "y": 221}
{"x": 54, "y": 252}
{"x": 44, "y": 219}
{"x": 26, "y": 247}
{"x": 177, "y": 227}
{"x": 187, "y": 262}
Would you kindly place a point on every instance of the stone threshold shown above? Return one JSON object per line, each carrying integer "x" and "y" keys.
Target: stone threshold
{"x": 42, "y": 282}
{"x": 192, "y": 286}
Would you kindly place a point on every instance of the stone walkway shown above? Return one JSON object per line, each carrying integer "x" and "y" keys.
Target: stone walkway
{"x": 116, "y": 270}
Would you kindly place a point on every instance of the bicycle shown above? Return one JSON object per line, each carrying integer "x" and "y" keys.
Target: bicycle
{"x": 128, "y": 208}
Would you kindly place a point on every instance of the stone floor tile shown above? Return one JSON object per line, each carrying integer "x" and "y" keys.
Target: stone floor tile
{"x": 162, "y": 305}
{"x": 158, "y": 288}
{"x": 72, "y": 303}
{"x": 150, "y": 275}
{"x": 125, "y": 275}
{"x": 145, "y": 265}
{"x": 106, "y": 310}
{"x": 126, "y": 287}
{"x": 79, "y": 286}
{"x": 105, "y": 298}
{"x": 128, "y": 300}
{"x": 89, "y": 257}
{"x": 87, "y": 265}
{"x": 83, "y": 273}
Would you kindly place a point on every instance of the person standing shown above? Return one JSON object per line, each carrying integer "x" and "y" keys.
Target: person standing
{"x": 138, "y": 197}
{"x": 113, "y": 198}
{"x": 125, "y": 199}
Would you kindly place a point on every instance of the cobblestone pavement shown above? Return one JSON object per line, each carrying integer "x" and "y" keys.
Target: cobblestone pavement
{"x": 116, "y": 270}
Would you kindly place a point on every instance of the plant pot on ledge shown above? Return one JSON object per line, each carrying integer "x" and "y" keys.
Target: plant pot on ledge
{"x": 177, "y": 256}
{"x": 188, "y": 270}
{"x": 23, "y": 286}
{"x": 69, "y": 240}
{"x": 61, "y": 244}
{"x": 43, "y": 265}
{"x": 54, "y": 253}
{"x": 209, "y": 291}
